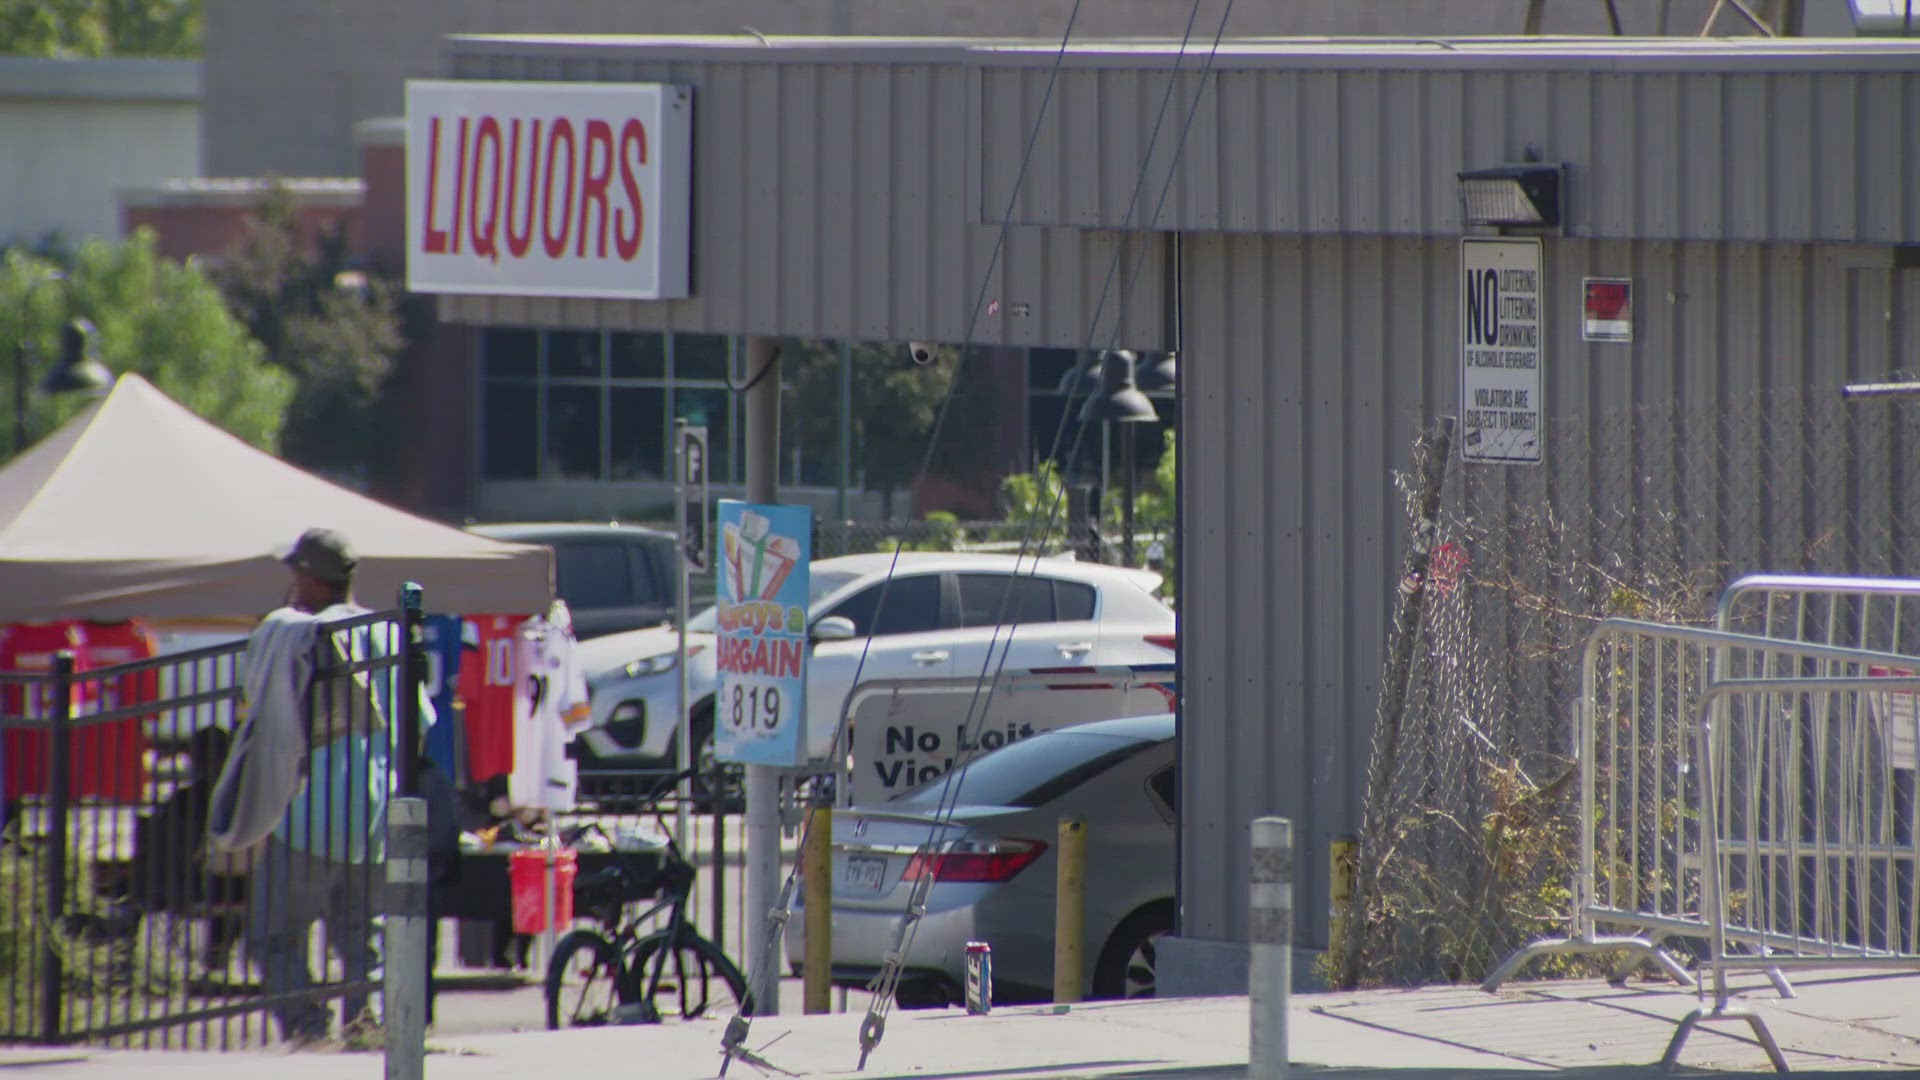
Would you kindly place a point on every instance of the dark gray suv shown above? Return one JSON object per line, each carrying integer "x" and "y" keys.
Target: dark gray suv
{"x": 613, "y": 577}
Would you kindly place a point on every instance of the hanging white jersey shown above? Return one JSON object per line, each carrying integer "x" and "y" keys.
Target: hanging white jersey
{"x": 549, "y": 702}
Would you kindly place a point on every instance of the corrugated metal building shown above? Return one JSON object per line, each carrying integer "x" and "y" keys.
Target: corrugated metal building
{"x": 1305, "y": 261}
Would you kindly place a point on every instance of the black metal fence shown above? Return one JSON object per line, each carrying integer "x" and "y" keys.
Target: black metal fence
{"x": 122, "y": 922}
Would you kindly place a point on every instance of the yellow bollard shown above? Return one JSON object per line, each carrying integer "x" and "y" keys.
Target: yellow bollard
{"x": 1340, "y": 859}
{"x": 816, "y": 869}
{"x": 1069, "y": 909}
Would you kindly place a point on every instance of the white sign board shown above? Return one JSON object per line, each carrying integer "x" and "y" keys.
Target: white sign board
{"x": 911, "y": 731}
{"x": 549, "y": 188}
{"x": 1502, "y": 333}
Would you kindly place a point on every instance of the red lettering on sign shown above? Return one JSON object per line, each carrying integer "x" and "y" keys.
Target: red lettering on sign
{"x": 436, "y": 239}
{"x": 633, "y": 136}
{"x": 556, "y": 243}
{"x": 518, "y": 240}
{"x": 486, "y": 236}
{"x": 593, "y": 183}
{"x": 575, "y": 184}
{"x": 459, "y": 182}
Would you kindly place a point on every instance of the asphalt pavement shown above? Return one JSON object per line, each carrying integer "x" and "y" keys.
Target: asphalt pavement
{"x": 1839, "y": 1022}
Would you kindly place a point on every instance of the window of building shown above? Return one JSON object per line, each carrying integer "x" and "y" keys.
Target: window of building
{"x": 594, "y": 405}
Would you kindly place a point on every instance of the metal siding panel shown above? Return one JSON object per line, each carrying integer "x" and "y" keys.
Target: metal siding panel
{"x": 1703, "y": 174}
{"x": 1285, "y": 165}
{"x": 895, "y": 202}
{"x": 797, "y": 307}
{"x": 876, "y": 189}
{"x": 1064, "y": 175}
{"x": 1206, "y": 394}
{"x": 1360, "y": 156}
{"x": 1746, "y": 158}
{"x": 1121, "y": 136}
{"x": 1886, "y": 138}
{"x": 1193, "y": 143}
{"x": 1529, "y": 113}
{"x": 1656, "y": 158}
{"x": 1569, "y": 137}
{"x": 915, "y": 220}
{"x": 1482, "y": 130}
{"x": 723, "y": 228}
{"x": 1609, "y": 179}
{"x": 837, "y": 271}
{"x": 1444, "y": 152}
{"x": 1242, "y": 141}
{"x": 1002, "y": 110}
{"x": 1836, "y": 146}
{"x": 1406, "y": 171}
{"x": 1790, "y": 188}
{"x": 941, "y": 309}
{"x": 1320, "y": 139}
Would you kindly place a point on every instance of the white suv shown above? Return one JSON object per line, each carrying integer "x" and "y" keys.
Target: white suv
{"x": 945, "y": 616}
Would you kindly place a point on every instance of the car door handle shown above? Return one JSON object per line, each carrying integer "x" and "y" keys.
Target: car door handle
{"x": 931, "y": 656}
{"x": 1075, "y": 648}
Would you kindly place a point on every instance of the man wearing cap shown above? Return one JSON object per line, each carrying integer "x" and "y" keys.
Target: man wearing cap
{"x": 323, "y": 857}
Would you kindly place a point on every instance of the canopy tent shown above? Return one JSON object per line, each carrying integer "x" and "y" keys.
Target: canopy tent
{"x": 139, "y": 508}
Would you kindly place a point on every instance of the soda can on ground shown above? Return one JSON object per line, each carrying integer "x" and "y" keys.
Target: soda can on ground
{"x": 979, "y": 978}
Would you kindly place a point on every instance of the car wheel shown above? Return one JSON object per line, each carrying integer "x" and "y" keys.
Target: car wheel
{"x": 1127, "y": 963}
{"x": 717, "y": 785}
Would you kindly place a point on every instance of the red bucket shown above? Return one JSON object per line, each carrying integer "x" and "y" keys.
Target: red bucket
{"x": 527, "y": 878}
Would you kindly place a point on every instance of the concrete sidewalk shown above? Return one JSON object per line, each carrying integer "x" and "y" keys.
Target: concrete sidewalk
{"x": 1839, "y": 1022}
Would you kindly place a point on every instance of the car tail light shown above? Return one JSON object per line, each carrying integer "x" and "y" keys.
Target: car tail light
{"x": 992, "y": 860}
{"x": 1165, "y": 641}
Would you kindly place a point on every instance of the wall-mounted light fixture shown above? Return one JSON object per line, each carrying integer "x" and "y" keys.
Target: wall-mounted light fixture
{"x": 1528, "y": 195}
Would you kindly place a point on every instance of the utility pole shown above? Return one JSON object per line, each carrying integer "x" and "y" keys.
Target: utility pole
{"x": 763, "y": 878}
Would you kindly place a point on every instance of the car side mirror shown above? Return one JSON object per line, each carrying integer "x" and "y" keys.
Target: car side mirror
{"x": 834, "y": 628}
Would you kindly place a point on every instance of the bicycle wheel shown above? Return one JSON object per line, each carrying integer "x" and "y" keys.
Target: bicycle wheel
{"x": 586, "y": 982}
{"x": 695, "y": 978}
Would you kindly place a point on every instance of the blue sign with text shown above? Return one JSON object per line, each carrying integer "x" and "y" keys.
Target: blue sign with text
{"x": 765, "y": 554}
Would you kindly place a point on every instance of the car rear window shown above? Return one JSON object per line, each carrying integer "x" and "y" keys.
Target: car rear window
{"x": 1031, "y": 772}
{"x": 594, "y": 575}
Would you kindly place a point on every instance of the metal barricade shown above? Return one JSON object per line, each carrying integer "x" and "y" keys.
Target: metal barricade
{"x": 118, "y": 924}
{"x": 1810, "y": 793}
{"x": 1882, "y": 614}
{"x": 1641, "y": 859}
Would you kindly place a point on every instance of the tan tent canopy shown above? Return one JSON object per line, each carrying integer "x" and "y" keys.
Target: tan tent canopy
{"x": 139, "y": 508}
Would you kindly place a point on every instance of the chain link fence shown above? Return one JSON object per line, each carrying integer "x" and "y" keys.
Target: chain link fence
{"x": 1468, "y": 843}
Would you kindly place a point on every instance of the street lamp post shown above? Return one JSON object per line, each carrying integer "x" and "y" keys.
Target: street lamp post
{"x": 1119, "y": 401}
{"x": 79, "y": 369}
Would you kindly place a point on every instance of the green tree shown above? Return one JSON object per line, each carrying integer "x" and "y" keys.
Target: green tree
{"x": 155, "y": 317}
{"x": 96, "y": 28}
{"x": 894, "y": 406}
{"x": 334, "y": 329}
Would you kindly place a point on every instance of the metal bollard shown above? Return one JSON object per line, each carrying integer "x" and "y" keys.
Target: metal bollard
{"x": 405, "y": 984}
{"x": 1340, "y": 864}
{"x": 1069, "y": 909}
{"x": 1270, "y": 944}
{"x": 817, "y": 869}
{"x": 59, "y": 758}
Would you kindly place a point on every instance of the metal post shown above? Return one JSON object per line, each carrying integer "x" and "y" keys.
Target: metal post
{"x": 1270, "y": 944}
{"x": 412, "y": 673}
{"x": 683, "y": 760}
{"x": 763, "y": 781}
{"x": 841, "y": 507}
{"x": 1069, "y": 909}
{"x": 1131, "y": 489}
{"x": 817, "y": 864}
{"x": 404, "y": 982}
{"x": 60, "y": 740}
{"x": 1340, "y": 864}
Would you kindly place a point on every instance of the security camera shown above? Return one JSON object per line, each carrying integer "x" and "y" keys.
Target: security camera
{"x": 921, "y": 352}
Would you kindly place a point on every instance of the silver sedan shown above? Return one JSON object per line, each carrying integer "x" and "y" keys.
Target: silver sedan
{"x": 990, "y": 843}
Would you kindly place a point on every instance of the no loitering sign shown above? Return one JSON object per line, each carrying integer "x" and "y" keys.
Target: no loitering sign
{"x": 1502, "y": 331}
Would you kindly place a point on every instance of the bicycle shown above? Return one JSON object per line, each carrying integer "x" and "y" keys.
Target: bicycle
{"x": 615, "y": 974}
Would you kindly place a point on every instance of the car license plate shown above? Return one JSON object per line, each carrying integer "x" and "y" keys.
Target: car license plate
{"x": 867, "y": 873}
